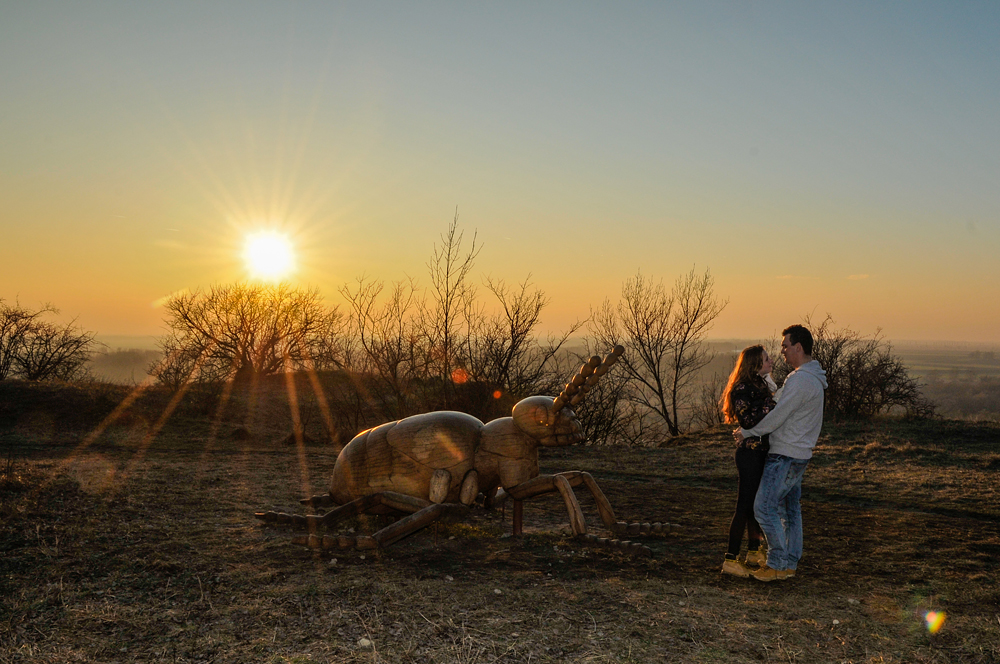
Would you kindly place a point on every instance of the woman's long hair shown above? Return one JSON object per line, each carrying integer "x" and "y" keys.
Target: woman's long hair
{"x": 748, "y": 365}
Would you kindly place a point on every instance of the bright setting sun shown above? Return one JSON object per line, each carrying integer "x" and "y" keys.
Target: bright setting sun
{"x": 269, "y": 255}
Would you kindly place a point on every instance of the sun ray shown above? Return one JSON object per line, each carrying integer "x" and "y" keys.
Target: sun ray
{"x": 300, "y": 447}
{"x": 89, "y": 439}
{"x": 213, "y": 433}
{"x": 147, "y": 440}
{"x": 324, "y": 406}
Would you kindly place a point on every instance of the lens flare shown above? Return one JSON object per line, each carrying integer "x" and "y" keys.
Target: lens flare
{"x": 460, "y": 376}
{"x": 934, "y": 619}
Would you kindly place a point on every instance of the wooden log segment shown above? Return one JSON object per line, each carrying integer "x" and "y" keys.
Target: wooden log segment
{"x": 390, "y": 501}
{"x": 550, "y": 484}
{"x": 417, "y": 520}
{"x": 470, "y": 488}
{"x": 326, "y": 500}
{"x": 634, "y": 529}
{"x": 586, "y": 378}
{"x": 440, "y": 484}
{"x": 586, "y": 370}
{"x": 607, "y": 514}
{"x": 625, "y": 546}
{"x": 388, "y": 535}
{"x": 361, "y": 542}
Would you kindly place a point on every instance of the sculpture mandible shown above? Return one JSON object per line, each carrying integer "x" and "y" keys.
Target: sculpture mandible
{"x": 435, "y": 465}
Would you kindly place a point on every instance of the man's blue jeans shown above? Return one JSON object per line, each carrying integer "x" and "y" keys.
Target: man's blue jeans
{"x": 778, "y": 511}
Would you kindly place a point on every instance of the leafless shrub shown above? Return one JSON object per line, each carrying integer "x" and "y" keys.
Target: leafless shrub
{"x": 441, "y": 348}
{"x": 504, "y": 350}
{"x": 392, "y": 347}
{"x": 36, "y": 349}
{"x": 707, "y": 412}
{"x": 864, "y": 378}
{"x": 663, "y": 336}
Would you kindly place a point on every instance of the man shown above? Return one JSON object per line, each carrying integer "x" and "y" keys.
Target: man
{"x": 794, "y": 425}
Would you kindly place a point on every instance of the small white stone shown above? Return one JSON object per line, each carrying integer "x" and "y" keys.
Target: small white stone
{"x": 497, "y": 591}
{"x": 333, "y": 562}
{"x": 836, "y": 622}
{"x": 681, "y": 603}
{"x": 448, "y": 577}
{"x": 362, "y": 556}
{"x": 452, "y": 537}
{"x": 853, "y": 601}
{"x": 364, "y": 643}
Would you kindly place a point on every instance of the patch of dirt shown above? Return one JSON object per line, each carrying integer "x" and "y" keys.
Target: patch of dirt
{"x": 146, "y": 550}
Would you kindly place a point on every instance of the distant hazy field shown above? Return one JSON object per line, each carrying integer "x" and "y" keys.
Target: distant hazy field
{"x": 962, "y": 379}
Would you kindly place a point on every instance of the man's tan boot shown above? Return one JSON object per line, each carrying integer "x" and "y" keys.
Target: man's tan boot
{"x": 769, "y": 574}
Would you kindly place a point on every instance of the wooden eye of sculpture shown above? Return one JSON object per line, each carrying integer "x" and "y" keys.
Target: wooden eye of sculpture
{"x": 434, "y": 465}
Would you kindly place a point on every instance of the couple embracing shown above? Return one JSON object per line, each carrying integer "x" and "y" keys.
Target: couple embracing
{"x": 774, "y": 445}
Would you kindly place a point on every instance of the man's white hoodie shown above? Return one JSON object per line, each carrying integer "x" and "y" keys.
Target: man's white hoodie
{"x": 795, "y": 422}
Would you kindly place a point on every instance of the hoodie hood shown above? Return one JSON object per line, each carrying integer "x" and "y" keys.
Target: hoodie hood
{"x": 814, "y": 369}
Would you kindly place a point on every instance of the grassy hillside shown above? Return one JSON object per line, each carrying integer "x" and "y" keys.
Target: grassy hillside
{"x": 128, "y": 535}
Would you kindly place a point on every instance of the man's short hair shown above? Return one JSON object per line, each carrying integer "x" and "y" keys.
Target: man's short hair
{"x": 799, "y": 335}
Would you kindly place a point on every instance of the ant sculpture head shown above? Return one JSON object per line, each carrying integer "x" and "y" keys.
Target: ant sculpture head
{"x": 551, "y": 421}
{"x": 536, "y": 417}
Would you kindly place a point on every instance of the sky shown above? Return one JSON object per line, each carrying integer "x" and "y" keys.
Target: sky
{"x": 836, "y": 158}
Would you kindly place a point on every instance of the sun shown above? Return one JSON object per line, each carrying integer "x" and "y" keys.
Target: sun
{"x": 269, "y": 255}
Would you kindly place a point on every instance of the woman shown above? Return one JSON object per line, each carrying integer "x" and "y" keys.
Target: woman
{"x": 746, "y": 400}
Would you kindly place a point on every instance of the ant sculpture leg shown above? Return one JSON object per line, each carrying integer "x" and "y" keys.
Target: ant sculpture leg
{"x": 564, "y": 483}
{"x": 577, "y": 477}
{"x": 420, "y": 513}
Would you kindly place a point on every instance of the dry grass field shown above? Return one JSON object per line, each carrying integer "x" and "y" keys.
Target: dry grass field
{"x": 134, "y": 541}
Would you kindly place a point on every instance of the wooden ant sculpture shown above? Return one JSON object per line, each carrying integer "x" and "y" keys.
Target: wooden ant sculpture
{"x": 434, "y": 465}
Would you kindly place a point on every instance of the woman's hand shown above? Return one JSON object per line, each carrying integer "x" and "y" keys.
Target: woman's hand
{"x": 738, "y": 435}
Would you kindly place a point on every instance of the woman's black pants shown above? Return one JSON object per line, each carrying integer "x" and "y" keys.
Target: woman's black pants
{"x": 750, "y": 465}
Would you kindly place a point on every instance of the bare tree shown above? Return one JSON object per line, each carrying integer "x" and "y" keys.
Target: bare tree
{"x": 35, "y": 349}
{"x": 393, "y": 345}
{"x": 663, "y": 335}
{"x": 54, "y": 351}
{"x": 450, "y": 290}
{"x": 239, "y": 331}
{"x": 16, "y": 324}
{"x": 504, "y": 349}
